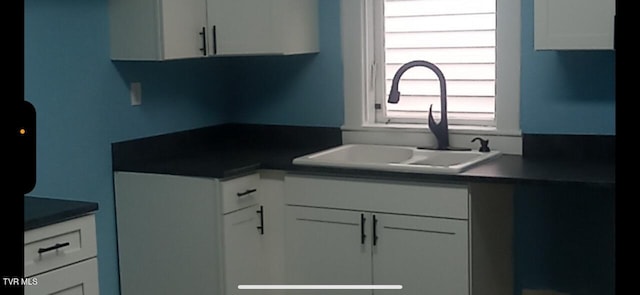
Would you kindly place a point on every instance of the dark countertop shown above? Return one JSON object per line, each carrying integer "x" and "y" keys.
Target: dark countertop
{"x": 236, "y": 156}
{"x": 510, "y": 169}
{"x": 39, "y": 212}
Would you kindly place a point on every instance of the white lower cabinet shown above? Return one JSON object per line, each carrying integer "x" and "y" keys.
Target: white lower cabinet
{"x": 61, "y": 258}
{"x": 195, "y": 235}
{"x": 326, "y": 247}
{"x": 342, "y": 247}
{"x": 371, "y": 232}
{"x": 77, "y": 279}
{"x": 424, "y": 255}
{"x": 253, "y": 234}
{"x": 244, "y": 250}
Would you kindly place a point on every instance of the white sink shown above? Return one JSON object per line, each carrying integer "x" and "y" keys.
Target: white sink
{"x": 396, "y": 158}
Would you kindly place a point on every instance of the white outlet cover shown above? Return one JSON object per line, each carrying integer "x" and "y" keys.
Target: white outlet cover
{"x": 136, "y": 93}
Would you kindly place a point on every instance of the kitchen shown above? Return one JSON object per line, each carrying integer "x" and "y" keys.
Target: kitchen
{"x": 83, "y": 105}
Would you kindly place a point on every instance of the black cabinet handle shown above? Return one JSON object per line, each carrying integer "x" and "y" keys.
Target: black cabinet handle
{"x": 204, "y": 41}
{"x": 261, "y": 227}
{"x": 215, "y": 40}
{"x": 54, "y": 247}
{"x": 249, "y": 191}
{"x": 375, "y": 230}
{"x": 362, "y": 235}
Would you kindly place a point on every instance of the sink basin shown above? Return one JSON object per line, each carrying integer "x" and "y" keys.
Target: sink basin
{"x": 396, "y": 158}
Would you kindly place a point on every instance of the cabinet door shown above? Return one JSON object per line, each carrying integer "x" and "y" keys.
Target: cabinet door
{"x": 243, "y": 27}
{"x": 272, "y": 202}
{"x": 168, "y": 234}
{"x": 156, "y": 29}
{"x": 76, "y": 279}
{"x": 424, "y": 255}
{"x": 182, "y": 27}
{"x": 325, "y": 247}
{"x": 574, "y": 24}
{"x": 244, "y": 250}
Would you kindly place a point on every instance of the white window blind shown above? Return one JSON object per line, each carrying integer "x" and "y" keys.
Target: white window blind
{"x": 458, "y": 36}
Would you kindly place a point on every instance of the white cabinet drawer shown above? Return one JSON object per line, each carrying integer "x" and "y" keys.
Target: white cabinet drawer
{"x": 240, "y": 192}
{"x": 424, "y": 199}
{"x": 59, "y": 244}
{"x": 78, "y": 279}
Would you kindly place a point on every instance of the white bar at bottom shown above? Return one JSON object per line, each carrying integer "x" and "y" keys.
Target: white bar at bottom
{"x": 320, "y": 287}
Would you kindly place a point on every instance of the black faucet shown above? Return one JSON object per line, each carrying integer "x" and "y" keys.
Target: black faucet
{"x": 439, "y": 130}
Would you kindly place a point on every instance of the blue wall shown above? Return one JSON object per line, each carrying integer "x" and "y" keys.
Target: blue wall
{"x": 293, "y": 90}
{"x": 82, "y": 104}
{"x": 565, "y": 239}
{"x": 565, "y": 92}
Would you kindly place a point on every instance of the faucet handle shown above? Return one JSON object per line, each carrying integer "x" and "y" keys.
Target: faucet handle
{"x": 431, "y": 120}
{"x": 484, "y": 144}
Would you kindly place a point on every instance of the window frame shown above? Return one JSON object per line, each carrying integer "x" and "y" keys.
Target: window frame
{"x": 357, "y": 21}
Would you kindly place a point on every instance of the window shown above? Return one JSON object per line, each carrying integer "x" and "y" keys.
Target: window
{"x": 365, "y": 82}
{"x": 458, "y": 36}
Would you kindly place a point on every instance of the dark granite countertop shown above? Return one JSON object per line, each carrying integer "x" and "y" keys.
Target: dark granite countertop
{"x": 39, "y": 212}
{"x": 509, "y": 169}
{"x": 242, "y": 149}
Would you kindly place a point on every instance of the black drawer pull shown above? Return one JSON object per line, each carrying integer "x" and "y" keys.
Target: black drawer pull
{"x": 375, "y": 230}
{"x": 215, "y": 40}
{"x": 362, "y": 235}
{"x": 261, "y": 227}
{"x": 249, "y": 191}
{"x": 203, "y": 33}
{"x": 54, "y": 247}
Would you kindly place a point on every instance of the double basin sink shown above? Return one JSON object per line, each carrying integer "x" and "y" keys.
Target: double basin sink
{"x": 396, "y": 158}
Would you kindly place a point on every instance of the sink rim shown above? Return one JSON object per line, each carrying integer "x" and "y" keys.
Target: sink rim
{"x": 347, "y": 147}
{"x": 409, "y": 165}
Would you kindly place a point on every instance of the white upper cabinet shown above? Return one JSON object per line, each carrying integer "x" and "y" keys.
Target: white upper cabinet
{"x": 249, "y": 27}
{"x": 167, "y": 29}
{"x": 574, "y": 24}
{"x": 157, "y": 30}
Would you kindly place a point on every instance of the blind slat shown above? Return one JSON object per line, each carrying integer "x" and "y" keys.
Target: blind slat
{"x": 450, "y": 71}
{"x": 441, "y": 56}
{"x": 437, "y": 7}
{"x": 454, "y": 88}
{"x": 454, "y": 104}
{"x": 464, "y": 39}
{"x": 441, "y": 23}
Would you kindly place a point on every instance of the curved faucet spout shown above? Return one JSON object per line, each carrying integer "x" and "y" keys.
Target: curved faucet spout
{"x": 439, "y": 130}
{"x": 394, "y": 95}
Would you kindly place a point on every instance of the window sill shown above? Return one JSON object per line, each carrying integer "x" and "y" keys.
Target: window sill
{"x": 506, "y": 141}
{"x": 453, "y": 129}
